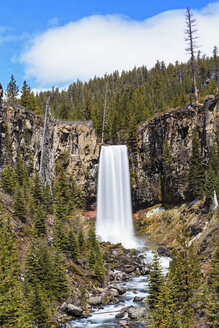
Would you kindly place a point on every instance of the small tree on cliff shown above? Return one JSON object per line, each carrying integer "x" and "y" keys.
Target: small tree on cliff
{"x": 12, "y": 89}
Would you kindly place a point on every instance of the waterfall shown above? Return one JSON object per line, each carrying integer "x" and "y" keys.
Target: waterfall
{"x": 114, "y": 211}
{"x": 215, "y": 201}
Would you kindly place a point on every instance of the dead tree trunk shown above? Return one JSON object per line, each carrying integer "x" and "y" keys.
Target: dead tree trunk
{"x": 42, "y": 159}
{"x": 191, "y": 39}
{"x": 104, "y": 116}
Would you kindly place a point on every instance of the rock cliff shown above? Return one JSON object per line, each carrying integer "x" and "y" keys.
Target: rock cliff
{"x": 78, "y": 139}
{"x": 158, "y": 179}
{"x": 153, "y": 179}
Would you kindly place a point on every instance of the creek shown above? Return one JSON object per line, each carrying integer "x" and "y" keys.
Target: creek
{"x": 135, "y": 286}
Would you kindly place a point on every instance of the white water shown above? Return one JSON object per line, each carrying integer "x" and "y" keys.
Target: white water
{"x": 136, "y": 286}
{"x": 114, "y": 211}
{"x": 215, "y": 201}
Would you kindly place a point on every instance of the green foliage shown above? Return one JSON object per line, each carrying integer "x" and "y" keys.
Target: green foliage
{"x": 12, "y": 90}
{"x": 76, "y": 196}
{"x": 73, "y": 246}
{"x": 27, "y": 97}
{"x": 39, "y": 307}
{"x": 8, "y": 179}
{"x": 46, "y": 271}
{"x": 39, "y": 221}
{"x": 155, "y": 282}
{"x": 196, "y": 177}
{"x": 48, "y": 199}
{"x": 212, "y": 296}
{"x": 21, "y": 173}
{"x": 37, "y": 190}
{"x": 19, "y": 205}
{"x": 95, "y": 256}
{"x": 132, "y": 96}
{"x": 164, "y": 314}
{"x": 11, "y": 304}
{"x": 184, "y": 277}
{"x": 60, "y": 237}
{"x": 81, "y": 240}
{"x": 167, "y": 156}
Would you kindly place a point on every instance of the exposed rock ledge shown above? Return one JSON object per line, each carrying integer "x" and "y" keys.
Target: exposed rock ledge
{"x": 152, "y": 181}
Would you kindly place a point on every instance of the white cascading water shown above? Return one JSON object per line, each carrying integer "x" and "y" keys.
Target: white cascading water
{"x": 114, "y": 211}
{"x": 215, "y": 201}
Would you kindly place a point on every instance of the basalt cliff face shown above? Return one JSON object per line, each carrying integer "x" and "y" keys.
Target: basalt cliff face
{"x": 78, "y": 139}
{"x": 153, "y": 178}
{"x": 166, "y": 179}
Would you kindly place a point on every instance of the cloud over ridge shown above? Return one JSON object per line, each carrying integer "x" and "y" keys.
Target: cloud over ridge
{"x": 97, "y": 44}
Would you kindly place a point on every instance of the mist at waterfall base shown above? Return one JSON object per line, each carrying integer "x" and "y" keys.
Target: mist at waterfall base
{"x": 114, "y": 210}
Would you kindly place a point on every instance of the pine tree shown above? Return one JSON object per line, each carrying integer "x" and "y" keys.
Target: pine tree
{"x": 164, "y": 314}
{"x": 11, "y": 304}
{"x": 98, "y": 268}
{"x": 212, "y": 304}
{"x": 210, "y": 185}
{"x": 19, "y": 205}
{"x": 20, "y": 171}
{"x": 39, "y": 221}
{"x": 184, "y": 276}
{"x": 27, "y": 97}
{"x": 8, "y": 179}
{"x": 59, "y": 278}
{"x": 39, "y": 307}
{"x": 60, "y": 237}
{"x": 73, "y": 246}
{"x": 37, "y": 190}
{"x": 48, "y": 199}
{"x": 81, "y": 240}
{"x": 155, "y": 282}
{"x": 196, "y": 178}
{"x": 12, "y": 90}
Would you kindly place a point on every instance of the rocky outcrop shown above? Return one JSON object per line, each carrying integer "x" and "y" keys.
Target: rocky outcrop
{"x": 154, "y": 180}
{"x": 78, "y": 139}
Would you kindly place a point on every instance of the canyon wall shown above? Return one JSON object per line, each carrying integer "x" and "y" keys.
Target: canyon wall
{"x": 163, "y": 179}
{"x": 78, "y": 139}
{"x": 153, "y": 178}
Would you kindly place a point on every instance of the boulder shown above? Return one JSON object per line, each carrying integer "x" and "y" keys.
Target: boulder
{"x": 120, "y": 315}
{"x": 95, "y": 300}
{"x": 120, "y": 289}
{"x": 71, "y": 309}
{"x": 138, "y": 299}
{"x": 123, "y": 323}
{"x": 136, "y": 312}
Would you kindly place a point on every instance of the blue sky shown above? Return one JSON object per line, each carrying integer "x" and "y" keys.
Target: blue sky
{"x": 55, "y": 42}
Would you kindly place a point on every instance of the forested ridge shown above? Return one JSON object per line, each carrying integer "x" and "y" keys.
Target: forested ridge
{"x": 47, "y": 256}
{"x": 131, "y": 97}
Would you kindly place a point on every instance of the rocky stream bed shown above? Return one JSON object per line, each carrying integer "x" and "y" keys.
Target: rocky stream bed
{"x": 121, "y": 303}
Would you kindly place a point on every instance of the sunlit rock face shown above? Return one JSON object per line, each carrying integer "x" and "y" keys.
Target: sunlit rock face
{"x": 77, "y": 139}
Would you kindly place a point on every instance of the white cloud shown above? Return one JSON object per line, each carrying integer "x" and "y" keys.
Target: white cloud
{"x": 97, "y": 45}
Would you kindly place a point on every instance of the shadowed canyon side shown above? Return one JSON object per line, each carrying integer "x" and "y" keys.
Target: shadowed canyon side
{"x": 154, "y": 179}
{"x": 114, "y": 209}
